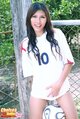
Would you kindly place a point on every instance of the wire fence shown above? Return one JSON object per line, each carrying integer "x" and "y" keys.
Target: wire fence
{"x": 8, "y": 79}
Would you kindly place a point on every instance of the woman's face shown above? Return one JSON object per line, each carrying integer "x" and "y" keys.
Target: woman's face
{"x": 38, "y": 21}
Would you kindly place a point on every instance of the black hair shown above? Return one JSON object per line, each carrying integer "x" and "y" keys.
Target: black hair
{"x": 48, "y": 28}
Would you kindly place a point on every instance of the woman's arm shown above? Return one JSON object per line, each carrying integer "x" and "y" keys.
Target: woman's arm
{"x": 55, "y": 88}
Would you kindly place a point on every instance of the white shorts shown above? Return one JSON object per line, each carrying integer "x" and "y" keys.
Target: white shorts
{"x": 42, "y": 93}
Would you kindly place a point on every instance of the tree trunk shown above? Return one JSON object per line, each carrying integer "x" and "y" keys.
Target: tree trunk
{"x": 19, "y": 10}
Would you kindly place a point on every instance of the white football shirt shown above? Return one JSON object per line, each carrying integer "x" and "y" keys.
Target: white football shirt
{"x": 46, "y": 68}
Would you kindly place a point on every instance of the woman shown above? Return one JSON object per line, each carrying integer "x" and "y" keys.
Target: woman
{"x": 46, "y": 56}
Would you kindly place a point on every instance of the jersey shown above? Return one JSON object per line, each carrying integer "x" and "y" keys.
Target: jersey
{"x": 46, "y": 67}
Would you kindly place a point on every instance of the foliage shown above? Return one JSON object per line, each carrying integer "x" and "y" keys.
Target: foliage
{"x": 5, "y": 15}
{"x": 63, "y": 9}
{"x": 66, "y": 10}
{"x": 6, "y": 43}
{"x": 6, "y": 53}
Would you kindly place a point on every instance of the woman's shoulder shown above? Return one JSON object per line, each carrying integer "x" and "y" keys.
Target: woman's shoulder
{"x": 24, "y": 44}
{"x": 57, "y": 30}
{"x": 25, "y": 40}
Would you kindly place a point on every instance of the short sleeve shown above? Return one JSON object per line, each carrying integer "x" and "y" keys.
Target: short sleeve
{"x": 65, "y": 49}
{"x": 26, "y": 61}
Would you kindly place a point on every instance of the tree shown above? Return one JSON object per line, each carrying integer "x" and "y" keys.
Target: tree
{"x": 19, "y": 10}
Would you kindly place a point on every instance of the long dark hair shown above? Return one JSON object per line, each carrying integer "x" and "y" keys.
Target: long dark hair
{"x": 48, "y": 27}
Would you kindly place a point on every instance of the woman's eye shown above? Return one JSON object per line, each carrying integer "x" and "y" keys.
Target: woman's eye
{"x": 42, "y": 16}
{"x": 34, "y": 16}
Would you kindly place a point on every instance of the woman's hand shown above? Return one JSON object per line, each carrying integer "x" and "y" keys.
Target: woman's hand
{"x": 54, "y": 89}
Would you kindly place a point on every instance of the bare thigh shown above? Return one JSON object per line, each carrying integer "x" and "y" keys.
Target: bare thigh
{"x": 36, "y": 108}
{"x": 68, "y": 106}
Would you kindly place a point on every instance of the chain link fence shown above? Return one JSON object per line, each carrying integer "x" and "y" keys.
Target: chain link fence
{"x": 8, "y": 79}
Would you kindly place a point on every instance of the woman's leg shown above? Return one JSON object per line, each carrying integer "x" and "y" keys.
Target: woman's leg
{"x": 36, "y": 108}
{"x": 68, "y": 106}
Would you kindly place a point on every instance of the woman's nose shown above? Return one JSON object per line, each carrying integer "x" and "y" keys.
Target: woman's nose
{"x": 38, "y": 20}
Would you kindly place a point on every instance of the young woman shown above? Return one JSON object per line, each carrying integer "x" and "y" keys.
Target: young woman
{"x": 47, "y": 57}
